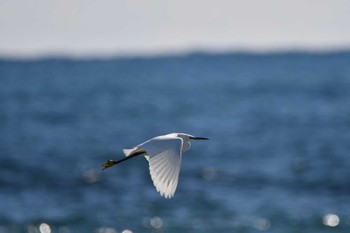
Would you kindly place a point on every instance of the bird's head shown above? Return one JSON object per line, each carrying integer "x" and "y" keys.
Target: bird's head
{"x": 188, "y": 137}
{"x": 186, "y": 140}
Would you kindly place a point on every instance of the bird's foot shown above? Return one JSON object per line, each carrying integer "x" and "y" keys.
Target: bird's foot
{"x": 108, "y": 164}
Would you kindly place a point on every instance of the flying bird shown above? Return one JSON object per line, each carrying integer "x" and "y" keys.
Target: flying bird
{"x": 164, "y": 155}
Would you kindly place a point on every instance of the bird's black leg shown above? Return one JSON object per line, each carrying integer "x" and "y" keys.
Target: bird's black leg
{"x": 111, "y": 163}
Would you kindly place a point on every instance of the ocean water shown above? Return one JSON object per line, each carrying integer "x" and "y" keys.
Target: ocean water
{"x": 278, "y": 158}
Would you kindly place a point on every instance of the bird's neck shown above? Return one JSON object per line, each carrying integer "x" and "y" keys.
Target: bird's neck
{"x": 186, "y": 146}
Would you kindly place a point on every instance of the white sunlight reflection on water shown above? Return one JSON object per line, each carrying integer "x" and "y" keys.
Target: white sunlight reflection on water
{"x": 331, "y": 220}
{"x": 106, "y": 230}
{"x": 156, "y": 222}
{"x": 126, "y": 231}
{"x": 262, "y": 224}
{"x": 45, "y": 228}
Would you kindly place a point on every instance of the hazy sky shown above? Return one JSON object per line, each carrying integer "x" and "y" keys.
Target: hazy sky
{"x": 98, "y": 27}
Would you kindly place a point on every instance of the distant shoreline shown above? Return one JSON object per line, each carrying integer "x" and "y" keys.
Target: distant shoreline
{"x": 178, "y": 54}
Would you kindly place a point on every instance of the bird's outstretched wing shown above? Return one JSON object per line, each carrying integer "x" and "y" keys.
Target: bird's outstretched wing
{"x": 164, "y": 157}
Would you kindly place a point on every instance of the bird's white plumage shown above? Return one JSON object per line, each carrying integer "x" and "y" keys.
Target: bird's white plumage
{"x": 164, "y": 156}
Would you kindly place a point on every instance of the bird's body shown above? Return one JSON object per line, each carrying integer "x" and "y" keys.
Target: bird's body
{"x": 164, "y": 154}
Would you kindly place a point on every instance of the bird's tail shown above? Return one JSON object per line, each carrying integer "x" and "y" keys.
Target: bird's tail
{"x": 134, "y": 151}
{"x": 127, "y": 152}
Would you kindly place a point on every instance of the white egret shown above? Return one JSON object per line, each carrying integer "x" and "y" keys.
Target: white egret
{"x": 164, "y": 156}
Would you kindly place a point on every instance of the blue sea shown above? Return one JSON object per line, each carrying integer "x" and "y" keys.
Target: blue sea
{"x": 278, "y": 158}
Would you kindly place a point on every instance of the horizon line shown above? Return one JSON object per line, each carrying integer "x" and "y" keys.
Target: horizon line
{"x": 169, "y": 52}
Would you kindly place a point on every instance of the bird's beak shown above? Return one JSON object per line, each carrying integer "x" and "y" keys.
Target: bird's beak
{"x": 199, "y": 138}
